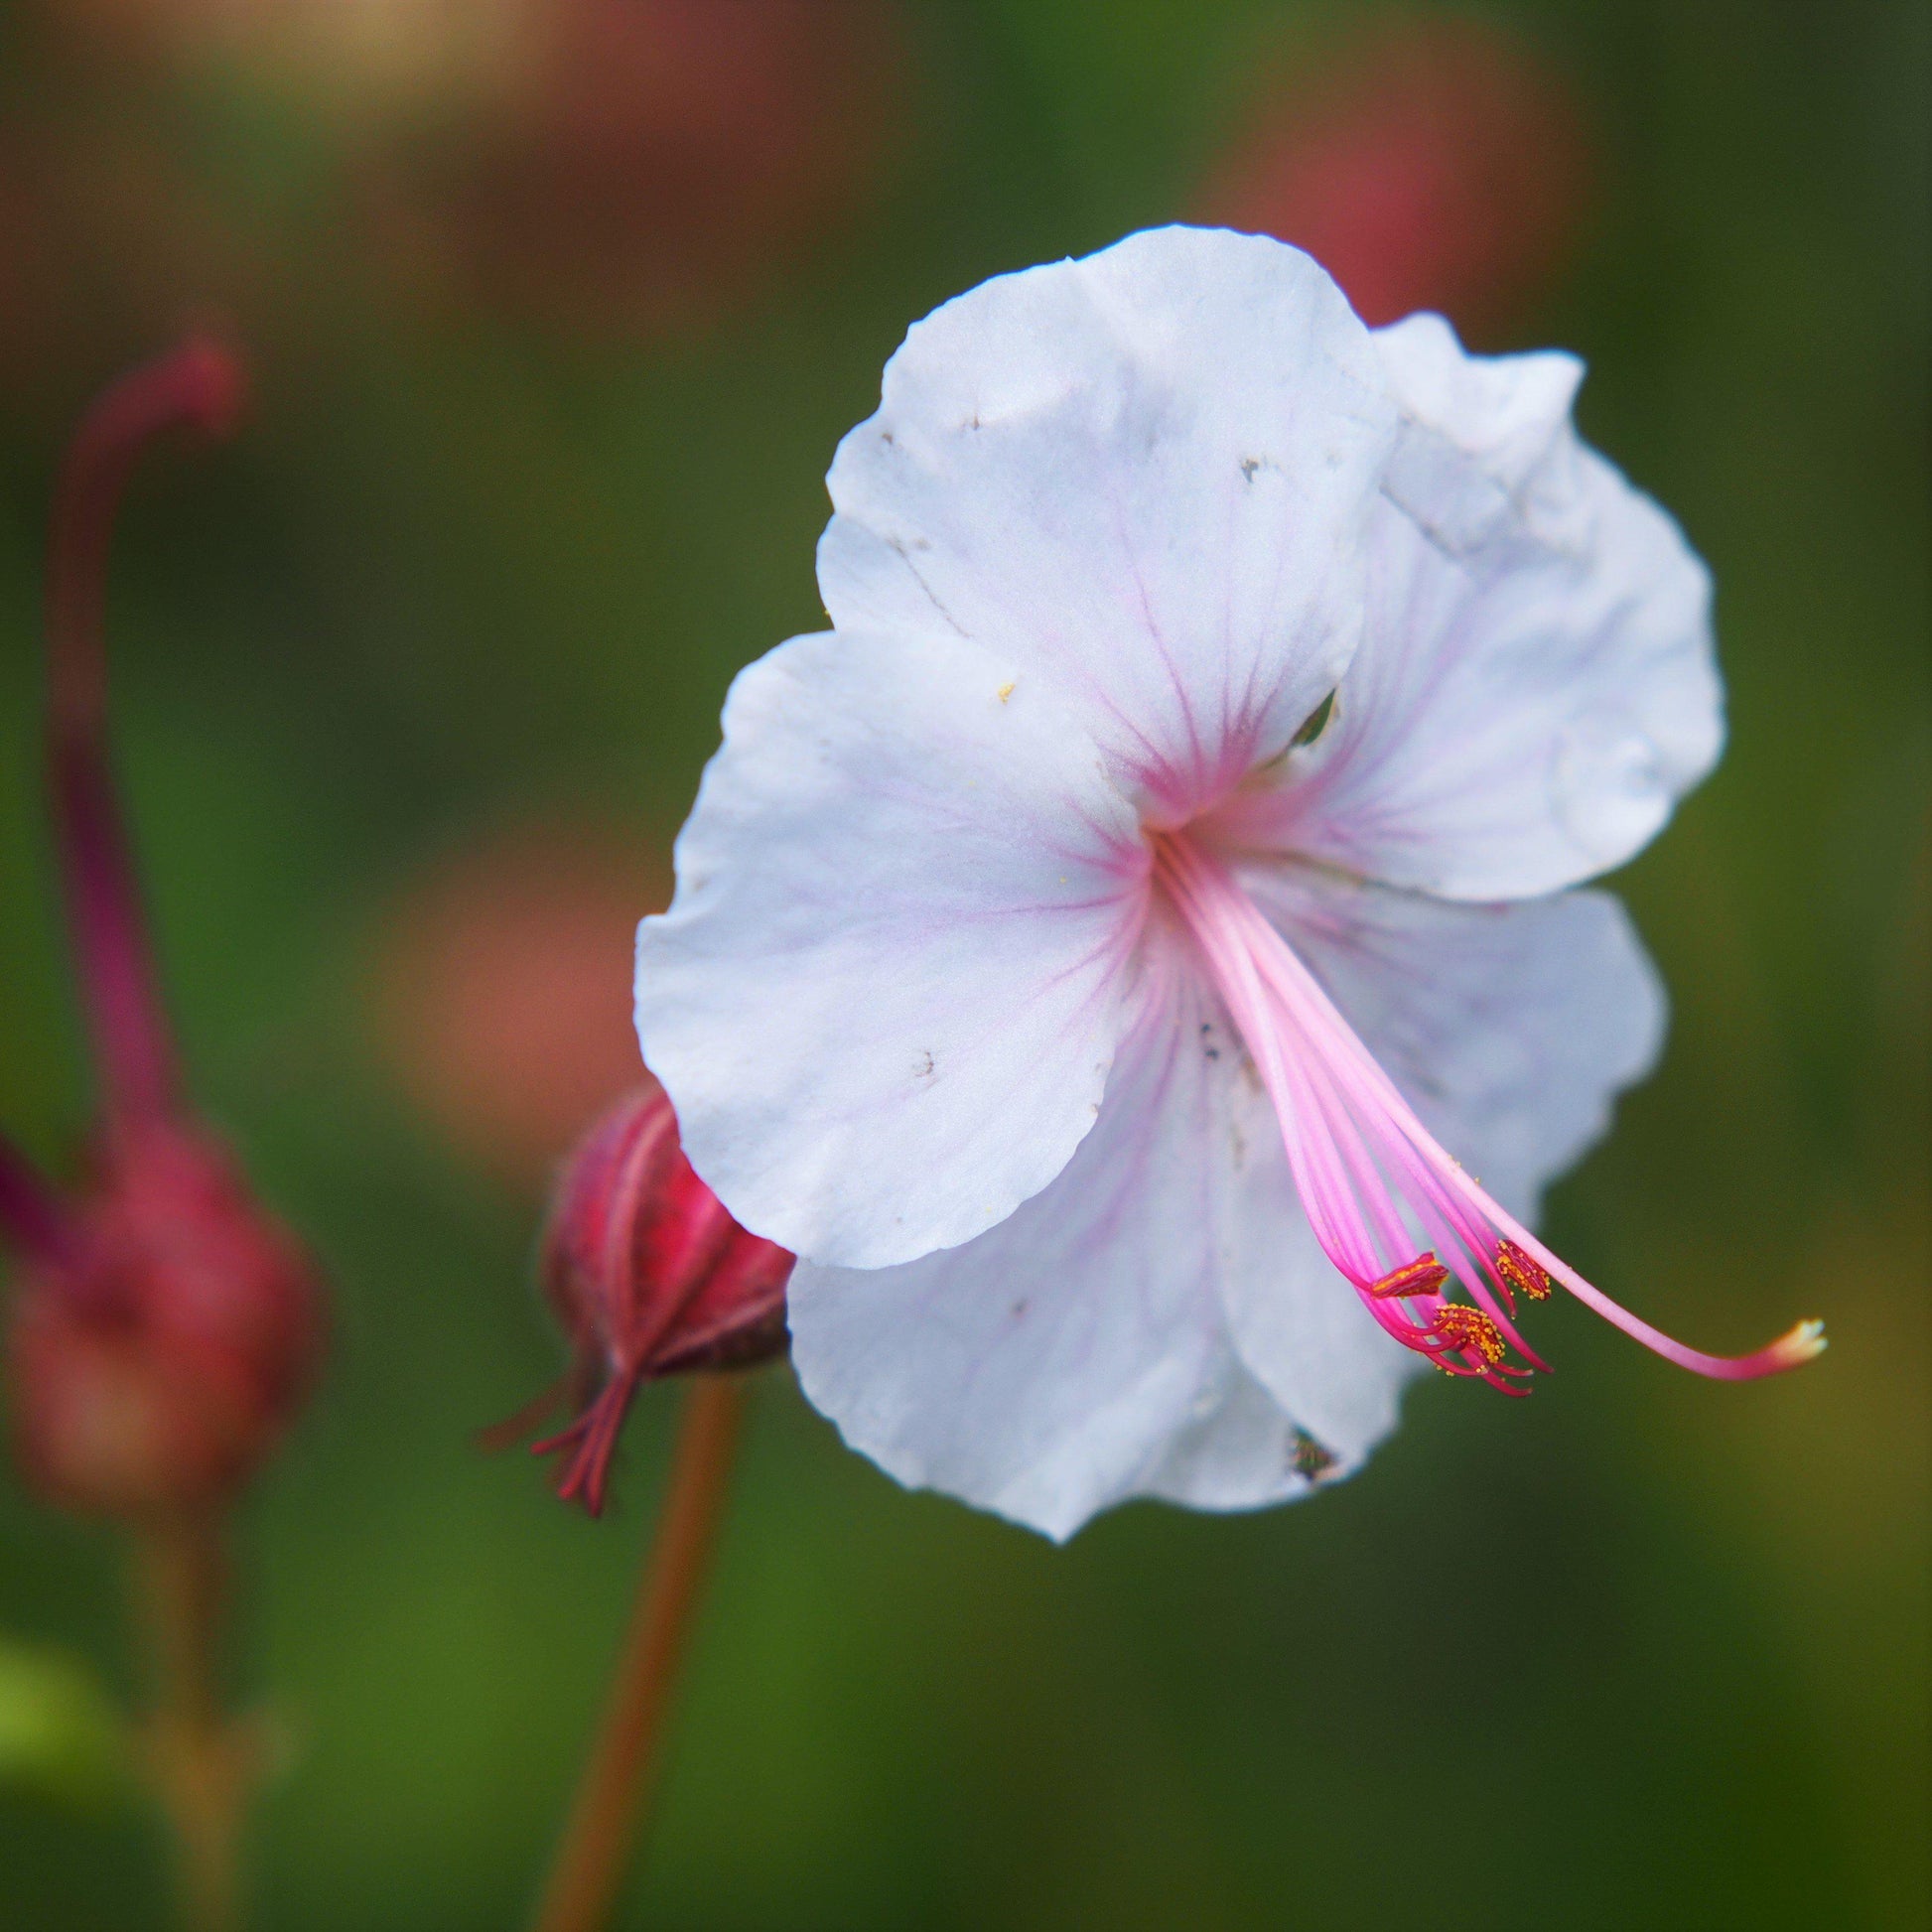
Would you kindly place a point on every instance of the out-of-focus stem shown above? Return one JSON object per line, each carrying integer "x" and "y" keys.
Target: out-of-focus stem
{"x": 200, "y": 385}
{"x": 200, "y": 1763}
{"x": 32, "y": 1220}
{"x": 616, "y": 1779}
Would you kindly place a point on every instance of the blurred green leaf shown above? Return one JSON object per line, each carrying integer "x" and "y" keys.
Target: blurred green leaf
{"x": 61, "y": 1737}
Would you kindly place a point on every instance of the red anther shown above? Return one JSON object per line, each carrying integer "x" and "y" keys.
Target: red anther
{"x": 1520, "y": 1272}
{"x": 1423, "y": 1276}
{"x": 155, "y": 1364}
{"x": 649, "y": 1276}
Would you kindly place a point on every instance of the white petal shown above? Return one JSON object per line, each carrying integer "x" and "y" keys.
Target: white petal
{"x": 1146, "y": 474}
{"x": 1078, "y": 1353}
{"x": 887, "y": 995}
{"x": 1485, "y": 440}
{"x": 1241, "y": 1454}
{"x": 1537, "y": 684}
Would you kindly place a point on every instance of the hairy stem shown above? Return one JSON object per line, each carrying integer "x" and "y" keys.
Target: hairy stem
{"x": 615, "y": 1784}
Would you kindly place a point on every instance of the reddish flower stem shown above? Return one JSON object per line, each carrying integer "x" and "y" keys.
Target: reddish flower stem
{"x": 200, "y": 385}
{"x": 616, "y": 1781}
{"x": 198, "y": 1762}
{"x": 33, "y": 1222}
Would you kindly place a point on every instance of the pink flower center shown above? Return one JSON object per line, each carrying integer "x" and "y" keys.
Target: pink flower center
{"x": 1393, "y": 1213}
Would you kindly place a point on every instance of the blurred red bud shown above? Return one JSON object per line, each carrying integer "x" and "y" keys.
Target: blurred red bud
{"x": 1433, "y": 164}
{"x": 649, "y": 1276}
{"x": 157, "y": 1351}
{"x": 162, "y": 1325}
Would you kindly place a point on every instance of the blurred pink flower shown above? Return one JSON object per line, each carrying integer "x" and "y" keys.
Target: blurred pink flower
{"x": 499, "y": 989}
{"x": 1431, "y": 164}
{"x": 646, "y": 157}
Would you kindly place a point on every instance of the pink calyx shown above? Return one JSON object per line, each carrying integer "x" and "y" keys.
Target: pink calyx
{"x": 1369, "y": 1173}
{"x": 649, "y": 1276}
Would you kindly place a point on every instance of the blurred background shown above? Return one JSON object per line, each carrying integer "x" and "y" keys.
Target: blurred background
{"x": 556, "y": 309}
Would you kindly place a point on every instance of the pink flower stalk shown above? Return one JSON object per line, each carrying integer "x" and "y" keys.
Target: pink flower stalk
{"x": 164, "y": 1326}
{"x": 650, "y": 1277}
{"x": 197, "y": 387}
{"x": 1094, "y": 956}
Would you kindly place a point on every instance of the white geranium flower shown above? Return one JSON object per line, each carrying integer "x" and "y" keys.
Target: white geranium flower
{"x": 1092, "y": 953}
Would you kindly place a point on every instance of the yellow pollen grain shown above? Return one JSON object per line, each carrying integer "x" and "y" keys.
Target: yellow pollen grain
{"x": 1005, "y": 692}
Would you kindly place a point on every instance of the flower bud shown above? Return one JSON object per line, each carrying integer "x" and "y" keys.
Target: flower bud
{"x": 649, "y": 1276}
{"x": 156, "y": 1352}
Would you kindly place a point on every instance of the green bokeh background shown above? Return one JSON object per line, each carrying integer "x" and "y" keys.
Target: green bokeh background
{"x": 1643, "y": 1652}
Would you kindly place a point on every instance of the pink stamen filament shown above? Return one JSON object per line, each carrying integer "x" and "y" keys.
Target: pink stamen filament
{"x": 1355, "y": 1148}
{"x": 198, "y": 384}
